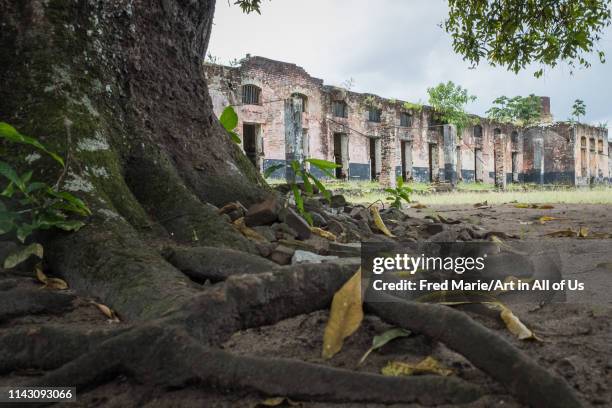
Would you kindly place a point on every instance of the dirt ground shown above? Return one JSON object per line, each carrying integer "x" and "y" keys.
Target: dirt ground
{"x": 577, "y": 335}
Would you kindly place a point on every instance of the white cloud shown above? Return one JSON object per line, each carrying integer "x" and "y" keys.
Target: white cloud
{"x": 394, "y": 49}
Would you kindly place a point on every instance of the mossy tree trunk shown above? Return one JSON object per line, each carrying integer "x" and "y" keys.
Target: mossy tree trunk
{"x": 117, "y": 88}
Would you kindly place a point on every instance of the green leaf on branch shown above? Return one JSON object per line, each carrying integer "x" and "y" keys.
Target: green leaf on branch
{"x": 7, "y": 171}
{"x": 11, "y": 134}
{"x": 235, "y": 138}
{"x": 323, "y": 164}
{"x": 229, "y": 118}
{"x": 268, "y": 172}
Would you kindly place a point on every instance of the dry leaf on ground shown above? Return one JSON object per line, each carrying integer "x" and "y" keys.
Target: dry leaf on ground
{"x": 418, "y": 206}
{"x": 345, "y": 316}
{"x": 322, "y": 233}
{"x": 51, "y": 283}
{"x": 106, "y": 311}
{"x": 427, "y": 366}
{"x": 513, "y": 323}
{"x": 379, "y": 222}
{"x": 248, "y": 232}
{"x": 545, "y": 218}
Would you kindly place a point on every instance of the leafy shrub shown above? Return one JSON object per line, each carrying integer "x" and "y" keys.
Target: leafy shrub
{"x": 308, "y": 179}
{"x": 399, "y": 193}
{"x": 27, "y": 205}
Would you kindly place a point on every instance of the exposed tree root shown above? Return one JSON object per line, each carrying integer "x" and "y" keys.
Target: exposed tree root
{"x": 529, "y": 382}
{"x": 167, "y": 357}
{"x": 21, "y": 302}
{"x": 46, "y": 347}
{"x": 245, "y": 301}
{"x": 107, "y": 260}
{"x": 215, "y": 264}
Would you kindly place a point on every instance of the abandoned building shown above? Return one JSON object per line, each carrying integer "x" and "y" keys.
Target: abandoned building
{"x": 285, "y": 114}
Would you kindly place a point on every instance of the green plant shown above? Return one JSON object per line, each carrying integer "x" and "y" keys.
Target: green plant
{"x": 415, "y": 107}
{"x": 308, "y": 180}
{"x": 370, "y": 102}
{"x": 229, "y": 121}
{"x": 399, "y": 193}
{"x": 578, "y": 109}
{"x": 448, "y": 101}
{"x": 519, "y": 110}
{"x": 27, "y": 205}
{"x": 521, "y": 34}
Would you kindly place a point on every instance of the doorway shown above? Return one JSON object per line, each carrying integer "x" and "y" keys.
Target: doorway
{"x": 406, "y": 153}
{"x": 341, "y": 155}
{"x": 458, "y": 163}
{"x": 375, "y": 159}
{"x": 433, "y": 162}
{"x": 478, "y": 170}
{"x": 250, "y": 141}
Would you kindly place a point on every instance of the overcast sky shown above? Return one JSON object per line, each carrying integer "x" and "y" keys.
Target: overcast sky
{"x": 395, "y": 49}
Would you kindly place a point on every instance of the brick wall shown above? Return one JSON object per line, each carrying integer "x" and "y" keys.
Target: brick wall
{"x": 555, "y": 147}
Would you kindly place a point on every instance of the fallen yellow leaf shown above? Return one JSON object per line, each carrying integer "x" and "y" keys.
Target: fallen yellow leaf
{"x": 515, "y": 326}
{"x": 322, "y": 233}
{"x": 40, "y": 275}
{"x": 544, "y": 219}
{"x": 522, "y": 205}
{"x": 513, "y": 323}
{"x": 428, "y": 365}
{"x": 51, "y": 283}
{"x": 248, "y": 232}
{"x": 379, "y": 222}
{"x": 583, "y": 232}
{"x": 345, "y": 316}
{"x": 106, "y": 311}
{"x": 418, "y": 206}
{"x": 56, "y": 283}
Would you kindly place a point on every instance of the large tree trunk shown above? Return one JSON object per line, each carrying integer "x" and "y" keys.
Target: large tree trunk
{"x": 117, "y": 88}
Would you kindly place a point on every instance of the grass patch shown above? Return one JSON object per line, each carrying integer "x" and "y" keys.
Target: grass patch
{"x": 598, "y": 195}
{"x": 472, "y": 193}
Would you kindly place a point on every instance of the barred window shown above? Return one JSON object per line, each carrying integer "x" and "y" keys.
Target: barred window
{"x": 592, "y": 144}
{"x": 514, "y": 138}
{"x": 477, "y": 132}
{"x": 304, "y": 99}
{"x": 600, "y": 146}
{"x": 374, "y": 115}
{"x": 251, "y": 95}
{"x": 340, "y": 109}
{"x": 405, "y": 119}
